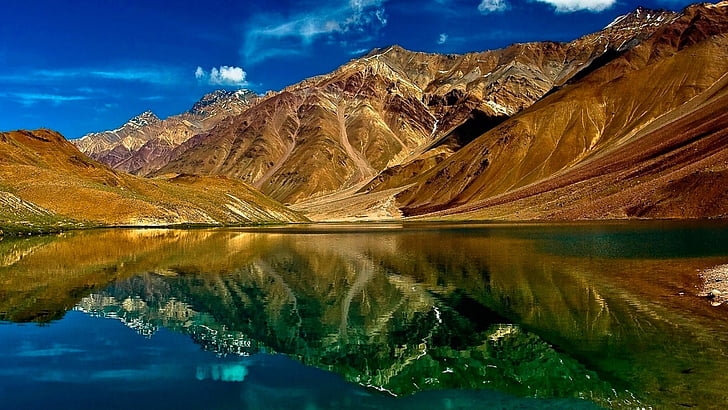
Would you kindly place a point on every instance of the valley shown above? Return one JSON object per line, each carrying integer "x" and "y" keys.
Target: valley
{"x": 628, "y": 122}
{"x": 364, "y": 204}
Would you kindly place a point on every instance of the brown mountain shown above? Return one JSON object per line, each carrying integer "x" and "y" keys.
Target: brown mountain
{"x": 626, "y": 122}
{"x": 46, "y": 183}
{"x": 137, "y": 145}
{"x": 640, "y": 133}
{"x": 393, "y": 110}
{"x": 642, "y": 136}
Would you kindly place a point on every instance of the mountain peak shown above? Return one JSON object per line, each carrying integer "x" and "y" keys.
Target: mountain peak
{"x": 713, "y": 5}
{"x": 145, "y": 118}
{"x": 203, "y": 106}
{"x": 376, "y": 52}
{"x": 640, "y": 18}
{"x": 146, "y": 138}
{"x": 706, "y": 6}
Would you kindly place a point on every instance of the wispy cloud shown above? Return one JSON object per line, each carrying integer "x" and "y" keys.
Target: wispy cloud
{"x": 490, "y": 35}
{"x": 359, "y": 51}
{"x": 32, "y": 98}
{"x": 106, "y": 107}
{"x": 150, "y": 75}
{"x": 570, "y": 6}
{"x": 91, "y": 90}
{"x": 153, "y": 76}
{"x": 350, "y": 21}
{"x": 442, "y": 39}
{"x": 445, "y": 9}
{"x": 493, "y": 6}
{"x": 224, "y": 75}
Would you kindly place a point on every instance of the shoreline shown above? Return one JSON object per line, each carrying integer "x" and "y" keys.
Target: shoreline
{"x": 715, "y": 284}
{"x": 8, "y": 229}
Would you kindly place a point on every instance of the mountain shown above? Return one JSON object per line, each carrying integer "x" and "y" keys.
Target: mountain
{"x": 642, "y": 136}
{"x": 139, "y": 143}
{"x": 627, "y": 122}
{"x": 47, "y": 184}
{"x": 127, "y": 136}
{"x": 334, "y": 133}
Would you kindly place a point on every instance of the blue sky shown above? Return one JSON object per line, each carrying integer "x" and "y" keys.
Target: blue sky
{"x": 90, "y": 65}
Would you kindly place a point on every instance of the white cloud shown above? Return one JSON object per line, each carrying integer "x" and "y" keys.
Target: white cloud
{"x": 442, "y": 39}
{"x": 224, "y": 75}
{"x": 355, "y": 21}
{"x": 493, "y": 6}
{"x": 199, "y": 73}
{"x": 570, "y": 6}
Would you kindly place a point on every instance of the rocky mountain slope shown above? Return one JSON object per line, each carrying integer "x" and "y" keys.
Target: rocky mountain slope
{"x": 47, "y": 184}
{"x": 642, "y": 136}
{"x": 334, "y": 133}
{"x": 622, "y": 123}
{"x": 138, "y": 144}
{"x": 638, "y": 135}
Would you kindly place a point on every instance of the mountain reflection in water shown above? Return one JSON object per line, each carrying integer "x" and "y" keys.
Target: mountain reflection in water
{"x": 578, "y": 311}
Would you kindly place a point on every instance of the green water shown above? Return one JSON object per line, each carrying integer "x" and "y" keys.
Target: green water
{"x": 365, "y": 316}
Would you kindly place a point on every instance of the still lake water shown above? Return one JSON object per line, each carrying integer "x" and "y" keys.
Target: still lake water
{"x": 365, "y": 316}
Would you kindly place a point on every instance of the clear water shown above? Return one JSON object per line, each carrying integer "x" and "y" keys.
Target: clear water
{"x": 365, "y": 316}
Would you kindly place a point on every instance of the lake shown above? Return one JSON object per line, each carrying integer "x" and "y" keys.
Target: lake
{"x": 407, "y": 316}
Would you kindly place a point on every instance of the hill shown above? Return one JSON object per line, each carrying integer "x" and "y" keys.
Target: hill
{"x": 47, "y": 184}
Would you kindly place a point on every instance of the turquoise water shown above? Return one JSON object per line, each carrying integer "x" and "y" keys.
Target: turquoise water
{"x": 365, "y": 316}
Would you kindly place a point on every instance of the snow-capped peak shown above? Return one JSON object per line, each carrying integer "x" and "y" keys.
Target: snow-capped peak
{"x": 639, "y": 18}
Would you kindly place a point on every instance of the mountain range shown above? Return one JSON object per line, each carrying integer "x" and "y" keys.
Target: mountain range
{"x": 627, "y": 122}
{"x": 134, "y": 146}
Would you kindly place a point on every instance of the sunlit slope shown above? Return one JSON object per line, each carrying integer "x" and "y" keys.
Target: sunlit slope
{"x": 677, "y": 170}
{"x": 309, "y": 142}
{"x": 372, "y": 118}
{"x": 143, "y": 143}
{"x": 44, "y": 176}
{"x": 642, "y": 136}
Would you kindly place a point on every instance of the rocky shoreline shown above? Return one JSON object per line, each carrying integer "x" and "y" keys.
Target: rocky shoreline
{"x": 715, "y": 284}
